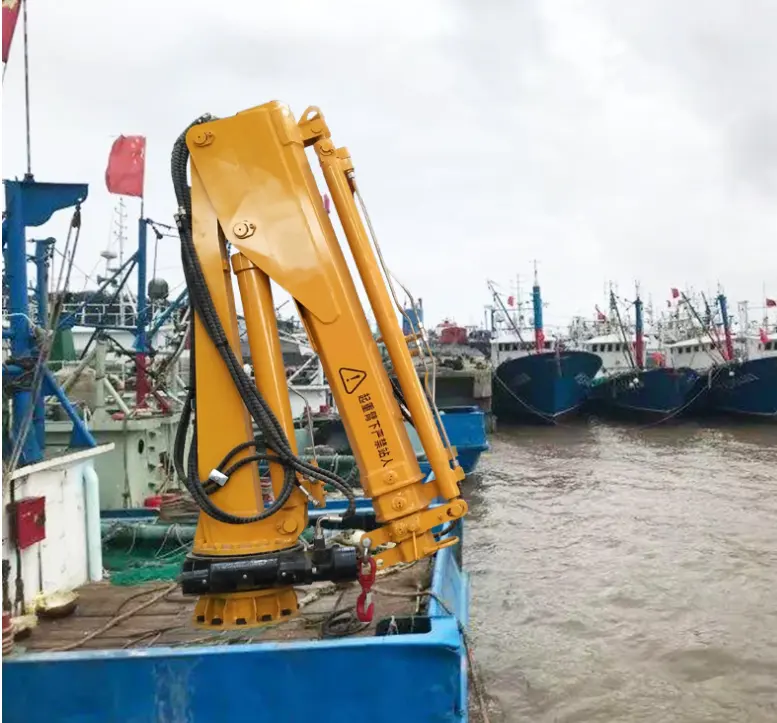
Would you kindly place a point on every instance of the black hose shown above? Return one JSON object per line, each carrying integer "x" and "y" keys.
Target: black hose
{"x": 272, "y": 431}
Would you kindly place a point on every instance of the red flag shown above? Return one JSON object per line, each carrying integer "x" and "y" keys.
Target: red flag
{"x": 126, "y": 166}
{"x": 675, "y": 293}
{"x": 599, "y": 315}
{"x": 10, "y": 14}
{"x": 511, "y": 301}
{"x": 764, "y": 336}
{"x": 771, "y": 303}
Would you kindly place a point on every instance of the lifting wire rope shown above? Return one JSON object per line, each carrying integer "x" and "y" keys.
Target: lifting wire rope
{"x": 422, "y": 343}
{"x": 274, "y": 436}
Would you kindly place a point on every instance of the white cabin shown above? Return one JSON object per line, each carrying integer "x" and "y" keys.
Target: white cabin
{"x": 613, "y": 350}
{"x": 758, "y": 349}
{"x": 506, "y": 346}
{"x": 697, "y": 354}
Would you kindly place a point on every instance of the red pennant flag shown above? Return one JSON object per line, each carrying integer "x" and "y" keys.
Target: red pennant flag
{"x": 599, "y": 315}
{"x": 10, "y": 14}
{"x": 764, "y": 336}
{"x": 511, "y": 301}
{"x": 770, "y": 303}
{"x": 675, "y": 293}
{"x": 126, "y": 166}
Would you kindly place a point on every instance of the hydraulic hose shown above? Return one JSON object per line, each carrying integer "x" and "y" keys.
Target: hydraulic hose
{"x": 274, "y": 435}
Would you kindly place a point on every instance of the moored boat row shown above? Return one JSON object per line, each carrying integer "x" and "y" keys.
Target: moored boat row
{"x": 621, "y": 371}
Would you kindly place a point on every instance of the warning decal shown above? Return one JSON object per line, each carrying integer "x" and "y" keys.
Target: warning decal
{"x": 352, "y": 378}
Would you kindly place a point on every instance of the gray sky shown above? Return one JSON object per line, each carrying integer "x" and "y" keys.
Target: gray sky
{"x": 609, "y": 140}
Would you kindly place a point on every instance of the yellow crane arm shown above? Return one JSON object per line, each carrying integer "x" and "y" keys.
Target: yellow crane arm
{"x": 253, "y": 193}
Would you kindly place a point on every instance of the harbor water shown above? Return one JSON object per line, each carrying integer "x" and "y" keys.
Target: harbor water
{"x": 627, "y": 574}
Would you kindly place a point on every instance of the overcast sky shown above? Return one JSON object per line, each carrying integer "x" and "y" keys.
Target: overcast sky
{"x": 608, "y": 140}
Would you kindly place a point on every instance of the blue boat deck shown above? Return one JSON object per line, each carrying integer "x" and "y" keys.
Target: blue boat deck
{"x": 410, "y": 664}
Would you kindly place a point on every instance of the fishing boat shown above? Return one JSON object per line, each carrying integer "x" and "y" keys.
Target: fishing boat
{"x": 740, "y": 379}
{"x": 537, "y": 381}
{"x": 465, "y": 428}
{"x": 746, "y": 385}
{"x": 105, "y": 651}
{"x": 635, "y": 383}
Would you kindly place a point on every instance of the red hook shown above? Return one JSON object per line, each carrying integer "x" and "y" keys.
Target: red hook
{"x": 365, "y": 607}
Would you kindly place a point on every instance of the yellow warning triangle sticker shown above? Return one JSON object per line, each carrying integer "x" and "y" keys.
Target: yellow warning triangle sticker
{"x": 352, "y": 378}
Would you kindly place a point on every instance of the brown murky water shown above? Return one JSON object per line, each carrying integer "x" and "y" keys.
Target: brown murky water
{"x": 623, "y": 574}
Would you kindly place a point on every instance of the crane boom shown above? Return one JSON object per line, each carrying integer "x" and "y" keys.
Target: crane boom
{"x": 253, "y": 195}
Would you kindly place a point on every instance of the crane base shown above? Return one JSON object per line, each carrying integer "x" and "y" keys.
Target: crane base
{"x": 252, "y": 609}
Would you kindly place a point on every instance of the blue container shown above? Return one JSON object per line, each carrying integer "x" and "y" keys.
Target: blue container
{"x": 416, "y": 677}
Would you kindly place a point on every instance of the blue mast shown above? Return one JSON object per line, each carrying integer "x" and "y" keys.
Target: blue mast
{"x": 639, "y": 343}
{"x": 722, "y": 303}
{"x": 141, "y": 381}
{"x": 539, "y": 334}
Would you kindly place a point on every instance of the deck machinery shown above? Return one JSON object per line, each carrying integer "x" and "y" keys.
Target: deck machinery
{"x": 253, "y": 210}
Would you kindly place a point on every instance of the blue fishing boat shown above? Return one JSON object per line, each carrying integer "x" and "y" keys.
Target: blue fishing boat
{"x": 645, "y": 389}
{"x": 538, "y": 381}
{"x": 465, "y": 428}
{"x": 657, "y": 394}
{"x": 739, "y": 381}
{"x": 424, "y": 656}
{"x": 748, "y": 386}
{"x": 543, "y": 387}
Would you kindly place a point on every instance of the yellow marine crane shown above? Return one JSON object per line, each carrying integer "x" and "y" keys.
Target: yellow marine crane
{"x": 253, "y": 195}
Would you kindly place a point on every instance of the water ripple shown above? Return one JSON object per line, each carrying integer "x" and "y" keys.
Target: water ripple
{"x": 625, "y": 574}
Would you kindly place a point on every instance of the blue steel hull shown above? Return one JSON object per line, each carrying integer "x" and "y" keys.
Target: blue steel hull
{"x": 746, "y": 388}
{"x": 412, "y": 677}
{"x": 466, "y": 430}
{"x": 653, "y": 394}
{"x": 543, "y": 388}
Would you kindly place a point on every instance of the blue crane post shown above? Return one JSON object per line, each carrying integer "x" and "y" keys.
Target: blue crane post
{"x": 43, "y": 250}
{"x": 28, "y": 204}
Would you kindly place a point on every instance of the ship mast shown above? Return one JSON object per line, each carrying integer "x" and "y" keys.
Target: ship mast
{"x": 539, "y": 333}
{"x": 726, "y": 326}
{"x": 639, "y": 341}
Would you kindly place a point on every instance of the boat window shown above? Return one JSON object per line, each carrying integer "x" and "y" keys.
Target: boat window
{"x": 609, "y": 347}
{"x": 594, "y": 347}
{"x": 696, "y": 348}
